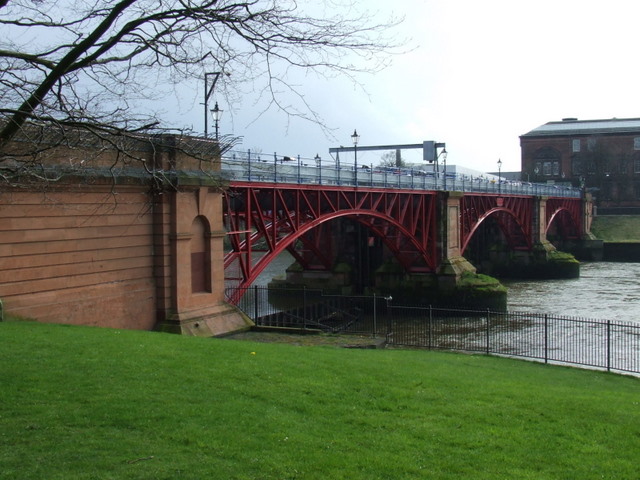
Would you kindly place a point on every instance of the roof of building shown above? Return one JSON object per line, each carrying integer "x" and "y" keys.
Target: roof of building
{"x": 573, "y": 126}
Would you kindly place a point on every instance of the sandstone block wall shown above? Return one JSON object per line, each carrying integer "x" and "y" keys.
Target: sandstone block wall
{"x": 127, "y": 237}
{"x": 81, "y": 256}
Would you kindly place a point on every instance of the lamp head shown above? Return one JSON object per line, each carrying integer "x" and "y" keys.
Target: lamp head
{"x": 216, "y": 112}
{"x": 355, "y": 137}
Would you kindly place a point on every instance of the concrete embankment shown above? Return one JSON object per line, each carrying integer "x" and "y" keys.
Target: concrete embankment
{"x": 621, "y": 252}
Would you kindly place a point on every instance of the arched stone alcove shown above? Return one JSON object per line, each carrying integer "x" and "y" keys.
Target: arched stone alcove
{"x": 200, "y": 256}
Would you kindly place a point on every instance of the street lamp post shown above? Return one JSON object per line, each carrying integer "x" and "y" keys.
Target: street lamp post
{"x": 443, "y": 154}
{"x": 217, "y": 115}
{"x": 355, "y": 137}
{"x": 499, "y": 176}
{"x": 208, "y": 90}
{"x": 318, "y": 166}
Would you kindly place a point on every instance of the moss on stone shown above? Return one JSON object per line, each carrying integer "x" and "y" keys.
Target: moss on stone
{"x": 390, "y": 267}
{"x": 557, "y": 256}
{"x": 480, "y": 283}
{"x": 295, "y": 267}
{"x": 342, "y": 267}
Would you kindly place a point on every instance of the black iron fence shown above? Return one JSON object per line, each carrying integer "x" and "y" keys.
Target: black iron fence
{"x": 313, "y": 310}
{"x": 614, "y": 346}
{"x": 549, "y": 338}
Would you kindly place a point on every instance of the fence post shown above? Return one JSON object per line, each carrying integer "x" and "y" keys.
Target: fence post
{"x": 304, "y": 302}
{"x": 608, "y": 345}
{"x": 488, "y": 331}
{"x": 389, "y": 317}
{"x": 255, "y": 303}
{"x": 430, "y": 326}
{"x": 546, "y": 338}
{"x": 375, "y": 317}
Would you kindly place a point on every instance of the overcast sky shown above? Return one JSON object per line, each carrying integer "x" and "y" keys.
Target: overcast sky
{"x": 482, "y": 74}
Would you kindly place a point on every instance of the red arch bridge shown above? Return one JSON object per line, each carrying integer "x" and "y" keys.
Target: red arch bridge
{"x": 422, "y": 218}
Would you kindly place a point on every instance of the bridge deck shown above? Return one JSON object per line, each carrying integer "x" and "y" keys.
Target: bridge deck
{"x": 297, "y": 171}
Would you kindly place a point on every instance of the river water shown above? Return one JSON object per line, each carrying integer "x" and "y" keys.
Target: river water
{"x": 604, "y": 291}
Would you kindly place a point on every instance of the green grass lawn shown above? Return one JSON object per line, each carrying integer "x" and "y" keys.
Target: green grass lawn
{"x": 617, "y": 228}
{"x": 89, "y": 403}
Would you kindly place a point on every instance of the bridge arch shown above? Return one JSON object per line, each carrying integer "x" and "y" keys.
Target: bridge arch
{"x": 562, "y": 226}
{"x": 563, "y": 219}
{"x": 364, "y": 217}
{"x": 515, "y": 233}
{"x": 513, "y": 216}
{"x": 277, "y": 220}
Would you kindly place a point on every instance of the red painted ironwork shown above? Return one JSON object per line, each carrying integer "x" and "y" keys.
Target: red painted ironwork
{"x": 264, "y": 219}
{"x": 513, "y": 215}
{"x": 564, "y": 215}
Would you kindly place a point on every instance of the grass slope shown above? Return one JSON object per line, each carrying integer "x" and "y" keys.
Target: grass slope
{"x": 88, "y": 403}
{"x": 617, "y": 228}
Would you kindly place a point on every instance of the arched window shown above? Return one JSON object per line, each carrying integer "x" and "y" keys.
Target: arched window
{"x": 547, "y": 162}
{"x": 200, "y": 256}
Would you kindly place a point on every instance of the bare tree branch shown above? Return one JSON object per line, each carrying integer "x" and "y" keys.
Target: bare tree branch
{"x": 73, "y": 63}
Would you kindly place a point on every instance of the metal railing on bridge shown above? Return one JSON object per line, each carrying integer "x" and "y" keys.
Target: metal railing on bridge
{"x": 246, "y": 166}
{"x": 601, "y": 344}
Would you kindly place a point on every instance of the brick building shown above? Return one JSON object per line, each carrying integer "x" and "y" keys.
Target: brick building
{"x": 601, "y": 155}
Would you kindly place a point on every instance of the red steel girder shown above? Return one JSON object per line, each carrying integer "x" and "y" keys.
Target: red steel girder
{"x": 512, "y": 213}
{"x": 566, "y": 213}
{"x": 264, "y": 219}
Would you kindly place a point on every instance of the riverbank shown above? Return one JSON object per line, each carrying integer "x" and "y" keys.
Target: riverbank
{"x": 617, "y": 228}
{"x": 621, "y": 237}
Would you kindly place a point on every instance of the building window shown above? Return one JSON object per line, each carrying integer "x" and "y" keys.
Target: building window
{"x": 591, "y": 144}
{"x": 547, "y": 162}
{"x": 636, "y": 143}
{"x": 622, "y": 167}
{"x": 576, "y": 165}
{"x": 636, "y": 163}
{"x": 548, "y": 169}
{"x": 576, "y": 145}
